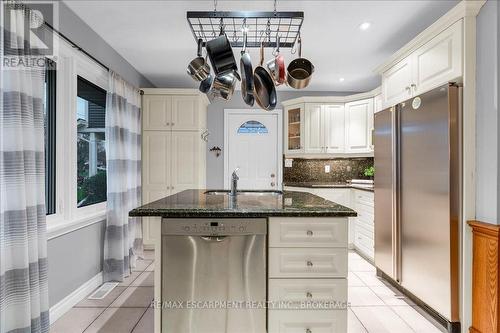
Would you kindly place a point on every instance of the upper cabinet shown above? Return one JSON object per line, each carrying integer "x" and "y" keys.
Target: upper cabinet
{"x": 330, "y": 126}
{"x": 359, "y": 116}
{"x": 176, "y": 112}
{"x": 434, "y": 63}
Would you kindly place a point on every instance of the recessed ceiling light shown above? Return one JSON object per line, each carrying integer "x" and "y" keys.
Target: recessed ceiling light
{"x": 365, "y": 26}
{"x": 341, "y": 79}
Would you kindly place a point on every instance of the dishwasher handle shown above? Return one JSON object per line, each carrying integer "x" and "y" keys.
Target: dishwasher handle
{"x": 213, "y": 238}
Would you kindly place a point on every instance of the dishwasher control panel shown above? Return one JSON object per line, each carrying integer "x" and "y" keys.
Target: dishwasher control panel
{"x": 214, "y": 227}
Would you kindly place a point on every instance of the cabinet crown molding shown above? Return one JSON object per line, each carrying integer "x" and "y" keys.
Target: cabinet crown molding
{"x": 465, "y": 8}
{"x": 332, "y": 99}
{"x": 177, "y": 92}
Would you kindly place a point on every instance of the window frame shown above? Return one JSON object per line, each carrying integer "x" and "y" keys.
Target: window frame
{"x": 51, "y": 131}
{"x": 71, "y": 63}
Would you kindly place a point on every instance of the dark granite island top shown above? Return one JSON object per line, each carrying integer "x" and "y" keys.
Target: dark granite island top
{"x": 199, "y": 203}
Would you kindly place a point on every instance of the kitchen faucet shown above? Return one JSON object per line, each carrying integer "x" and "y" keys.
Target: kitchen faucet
{"x": 234, "y": 182}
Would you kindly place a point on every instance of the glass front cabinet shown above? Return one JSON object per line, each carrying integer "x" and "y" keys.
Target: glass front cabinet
{"x": 294, "y": 129}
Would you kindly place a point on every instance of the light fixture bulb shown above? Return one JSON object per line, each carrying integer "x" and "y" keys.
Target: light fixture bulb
{"x": 341, "y": 79}
{"x": 365, "y": 26}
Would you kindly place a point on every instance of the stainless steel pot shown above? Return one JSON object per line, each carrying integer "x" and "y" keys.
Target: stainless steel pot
{"x": 223, "y": 86}
{"x": 198, "y": 68}
{"x": 299, "y": 71}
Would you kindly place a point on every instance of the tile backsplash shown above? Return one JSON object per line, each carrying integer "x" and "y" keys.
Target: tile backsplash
{"x": 313, "y": 170}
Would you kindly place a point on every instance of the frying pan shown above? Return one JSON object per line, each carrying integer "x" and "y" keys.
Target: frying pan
{"x": 299, "y": 71}
{"x": 221, "y": 55}
{"x": 198, "y": 68}
{"x": 265, "y": 92}
{"x": 247, "y": 84}
{"x": 276, "y": 66}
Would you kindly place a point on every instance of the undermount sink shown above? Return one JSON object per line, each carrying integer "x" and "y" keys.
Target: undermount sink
{"x": 249, "y": 192}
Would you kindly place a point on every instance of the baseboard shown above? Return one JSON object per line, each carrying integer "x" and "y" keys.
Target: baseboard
{"x": 64, "y": 305}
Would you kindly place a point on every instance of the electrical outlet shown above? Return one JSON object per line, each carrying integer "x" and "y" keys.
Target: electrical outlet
{"x": 349, "y": 168}
{"x": 288, "y": 162}
{"x": 327, "y": 168}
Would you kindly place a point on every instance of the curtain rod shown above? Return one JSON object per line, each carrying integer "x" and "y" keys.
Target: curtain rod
{"x": 82, "y": 50}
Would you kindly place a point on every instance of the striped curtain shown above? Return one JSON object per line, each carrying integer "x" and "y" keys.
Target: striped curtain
{"x": 24, "y": 301}
{"x": 123, "y": 240}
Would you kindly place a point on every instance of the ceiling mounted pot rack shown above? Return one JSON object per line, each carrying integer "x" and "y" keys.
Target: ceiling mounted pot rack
{"x": 261, "y": 27}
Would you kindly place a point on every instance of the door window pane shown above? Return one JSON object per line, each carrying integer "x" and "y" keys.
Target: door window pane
{"x": 252, "y": 126}
{"x": 91, "y": 151}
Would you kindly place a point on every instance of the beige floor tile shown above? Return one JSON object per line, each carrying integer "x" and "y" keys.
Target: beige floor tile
{"x": 363, "y": 296}
{"x": 151, "y": 267}
{"x": 360, "y": 265}
{"x": 146, "y": 324}
{"x": 116, "y": 320}
{"x": 353, "y": 323}
{"x": 76, "y": 320}
{"x": 390, "y": 296}
{"x": 141, "y": 265}
{"x": 370, "y": 279}
{"x": 381, "y": 319}
{"x": 146, "y": 279}
{"x": 101, "y": 303}
{"x": 134, "y": 297}
{"x": 129, "y": 279}
{"x": 354, "y": 281}
{"x": 415, "y": 320}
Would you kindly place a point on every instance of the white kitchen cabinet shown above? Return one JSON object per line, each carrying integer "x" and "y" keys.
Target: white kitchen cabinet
{"x": 364, "y": 226}
{"x": 359, "y": 116}
{"x": 173, "y": 151}
{"x": 314, "y": 143}
{"x": 294, "y": 129}
{"x": 334, "y": 128}
{"x": 435, "y": 63}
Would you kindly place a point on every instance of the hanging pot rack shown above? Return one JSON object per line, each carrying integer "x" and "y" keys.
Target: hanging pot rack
{"x": 261, "y": 26}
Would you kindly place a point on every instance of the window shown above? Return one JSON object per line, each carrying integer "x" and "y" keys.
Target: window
{"x": 49, "y": 122}
{"x": 91, "y": 151}
{"x": 252, "y": 127}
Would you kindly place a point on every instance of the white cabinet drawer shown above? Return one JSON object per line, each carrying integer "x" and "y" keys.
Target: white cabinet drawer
{"x": 307, "y": 262}
{"x": 303, "y": 232}
{"x": 364, "y": 242}
{"x": 368, "y": 227}
{"x": 308, "y": 290}
{"x": 308, "y": 321}
{"x": 364, "y": 198}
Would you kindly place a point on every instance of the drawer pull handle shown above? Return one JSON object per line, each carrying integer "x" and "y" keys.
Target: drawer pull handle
{"x": 309, "y": 263}
{"x": 308, "y": 330}
{"x": 309, "y": 295}
{"x": 309, "y": 233}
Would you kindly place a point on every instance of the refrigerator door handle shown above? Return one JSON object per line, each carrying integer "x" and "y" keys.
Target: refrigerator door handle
{"x": 397, "y": 192}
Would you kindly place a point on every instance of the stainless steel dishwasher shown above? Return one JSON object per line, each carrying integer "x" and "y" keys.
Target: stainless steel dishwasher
{"x": 214, "y": 275}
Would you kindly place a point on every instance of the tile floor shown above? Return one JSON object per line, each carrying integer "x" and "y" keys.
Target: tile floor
{"x": 374, "y": 306}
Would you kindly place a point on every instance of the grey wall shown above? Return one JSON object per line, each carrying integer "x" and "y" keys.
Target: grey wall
{"x": 76, "y": 30}
{"x": 487, "y": 120}
{"x": 74, "y": 258}
{"x": 215, "y": 124}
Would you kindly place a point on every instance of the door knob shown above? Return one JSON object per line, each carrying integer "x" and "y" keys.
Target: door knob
{"x": 308, "y": 331}
{"x": 273, "y": 175}
{"x": 309, "y": 263}
{"x": 309, "y": 233}
{"x": 273, "y": 184}
{"x": 309, "y": 295}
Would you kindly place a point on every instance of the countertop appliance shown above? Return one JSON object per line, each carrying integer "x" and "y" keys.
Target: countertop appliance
{"x": 418, "y": 199}
{"x": 214, "y": 275}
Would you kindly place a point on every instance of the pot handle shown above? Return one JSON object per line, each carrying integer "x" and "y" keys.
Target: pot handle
{"x": 244, "y": 42}
{"x": 261, "y": 53}
{"x": 299, "y": 41}
{"x": 200, "y": 45}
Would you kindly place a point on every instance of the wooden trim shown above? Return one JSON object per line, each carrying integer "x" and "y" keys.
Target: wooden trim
{"x": 485, "y": 278}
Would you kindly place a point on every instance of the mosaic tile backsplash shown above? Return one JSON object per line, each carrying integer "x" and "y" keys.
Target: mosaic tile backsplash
{"x": 313, "y": 170}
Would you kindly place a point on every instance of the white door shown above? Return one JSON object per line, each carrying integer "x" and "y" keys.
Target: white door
{"x": 314, "y": 136}
{"x": 185, "y": 113}
{"x": 252, "y": 141}
{"x": 334, "y": 122}
{"x": 185, "y": 159}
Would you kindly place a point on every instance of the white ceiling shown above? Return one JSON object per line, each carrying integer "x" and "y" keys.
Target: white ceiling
{"x": 155, "y": 38}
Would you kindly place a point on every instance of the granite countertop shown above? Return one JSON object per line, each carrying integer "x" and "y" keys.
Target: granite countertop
{"x": 364, "y": 187}
{"x": 197, "y": 203}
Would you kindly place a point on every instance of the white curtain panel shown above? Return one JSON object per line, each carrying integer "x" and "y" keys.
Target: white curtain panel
{"x": 123, "y": 240}
{"x": 24, "y": 301}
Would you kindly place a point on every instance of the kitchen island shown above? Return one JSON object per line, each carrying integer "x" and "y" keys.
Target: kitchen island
{"x": 260, "y": 261}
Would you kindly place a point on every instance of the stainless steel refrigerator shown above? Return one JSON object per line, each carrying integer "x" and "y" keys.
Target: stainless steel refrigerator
{"x": 418, "y": 198}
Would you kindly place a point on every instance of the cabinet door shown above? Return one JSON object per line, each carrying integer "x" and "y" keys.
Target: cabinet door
{"x": 359, "y": 126}
{"x": 314, "y": 143}
{"x": 185, "y": 113}
{"x": 294, "y": 129}
{"x": 377, "y": 103}
{"x": 185, "y": 160}
{"x": 396, "y": 83}
{"x": 439, "y": 60}
{"x": 156, "y": 112}
{"x": 334, "y": 128}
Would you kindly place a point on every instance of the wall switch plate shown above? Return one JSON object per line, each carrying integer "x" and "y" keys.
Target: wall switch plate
{"x": 288, "y": 162}
{"x": 327, "y": 168}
